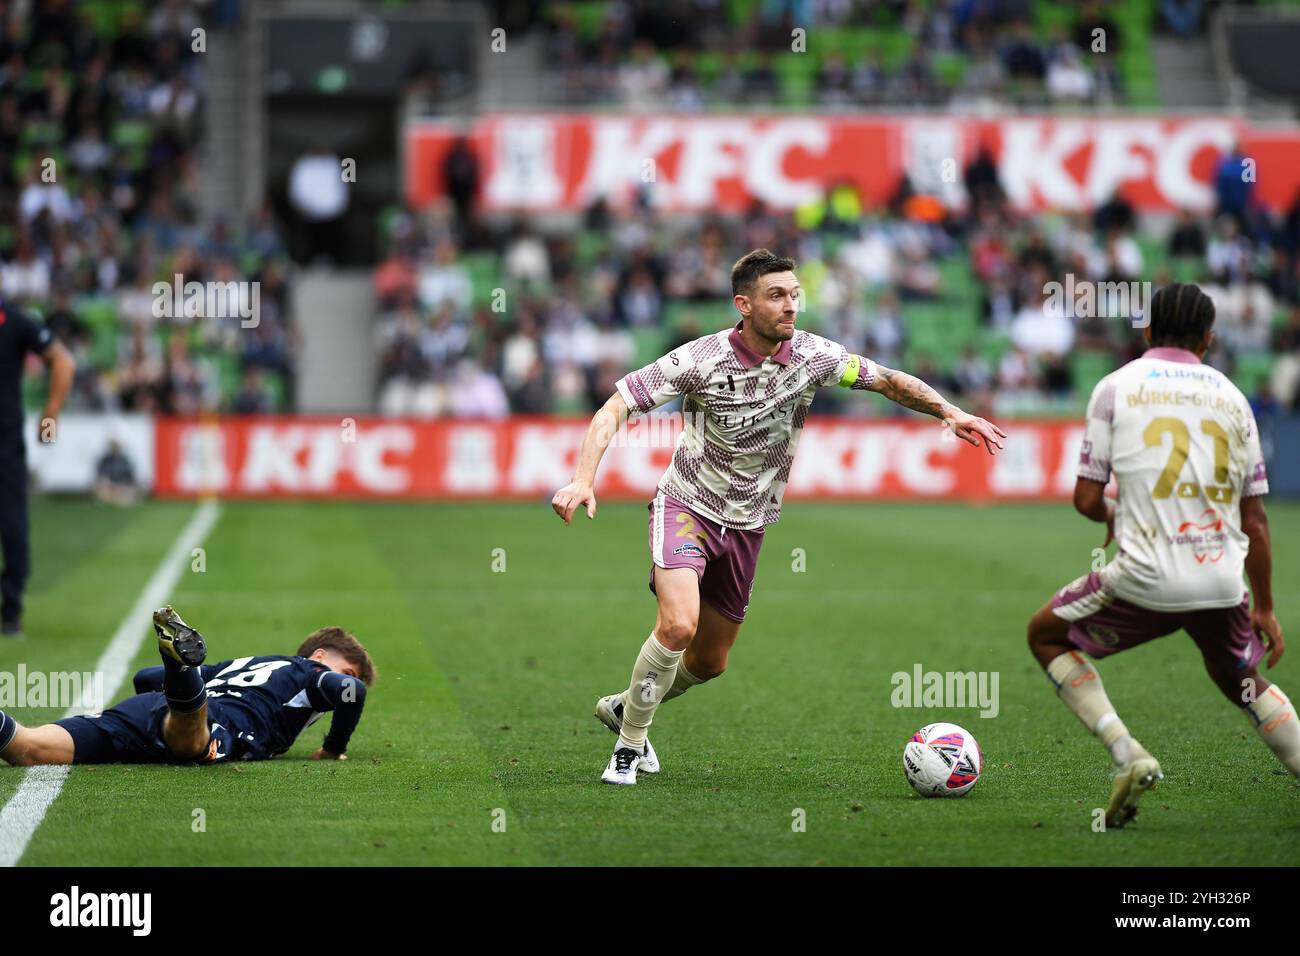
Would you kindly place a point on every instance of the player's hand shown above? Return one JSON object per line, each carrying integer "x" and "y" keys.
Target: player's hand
{"x": 1110, "y": 521}
{"x": 324, "y": 754}
{"x": 572, "y": 497}
{"x": 1270, "y": 632}
{"x": 971, "y": 428}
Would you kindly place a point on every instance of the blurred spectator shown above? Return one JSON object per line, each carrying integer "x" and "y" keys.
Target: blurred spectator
{"x": 115, "y": 481}
{"x": 319, "y": 198}
{"x": 460, "y": 172}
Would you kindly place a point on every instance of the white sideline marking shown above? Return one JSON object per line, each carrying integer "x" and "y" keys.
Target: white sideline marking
{"x": 23, "y": 814}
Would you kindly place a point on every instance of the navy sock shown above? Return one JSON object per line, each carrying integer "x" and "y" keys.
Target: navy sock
{"x": 8, "y": 728}
{"x": 183, "y": 686}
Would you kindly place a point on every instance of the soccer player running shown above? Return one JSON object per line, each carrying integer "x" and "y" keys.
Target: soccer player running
{"x": 251, "y": 708}
{"x": 1182, "y": 443}
{"x": 747, "y": 391}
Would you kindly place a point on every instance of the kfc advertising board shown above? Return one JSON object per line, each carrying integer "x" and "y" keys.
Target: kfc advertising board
{"x": 551, "y": 162}
{"x": 529, "y": 458}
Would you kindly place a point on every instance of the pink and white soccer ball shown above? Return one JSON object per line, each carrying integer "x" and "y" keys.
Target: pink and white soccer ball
{"x": 942, "y": 760}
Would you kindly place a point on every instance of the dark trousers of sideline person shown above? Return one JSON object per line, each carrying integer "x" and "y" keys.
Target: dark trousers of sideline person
{"x": 13, "y": 525}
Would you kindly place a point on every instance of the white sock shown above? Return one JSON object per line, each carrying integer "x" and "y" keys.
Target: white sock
{"x": 1079, "y": 685}
{"x": 652, "y": 675}
{"x": 683, "y": 682}
{"x": 1275, "y": 721}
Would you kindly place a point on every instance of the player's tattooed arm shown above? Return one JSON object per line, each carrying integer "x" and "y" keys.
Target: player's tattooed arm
{"x": 910, "y": 392}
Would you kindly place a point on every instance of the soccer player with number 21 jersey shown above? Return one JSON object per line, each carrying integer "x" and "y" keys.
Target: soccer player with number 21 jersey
{"x": 1181, "y": 443}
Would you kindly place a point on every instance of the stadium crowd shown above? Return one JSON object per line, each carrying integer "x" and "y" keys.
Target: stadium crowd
{"x": 100, "y": 127}
{"x": 528, "y": 320}
{"x": 691, "y": 54}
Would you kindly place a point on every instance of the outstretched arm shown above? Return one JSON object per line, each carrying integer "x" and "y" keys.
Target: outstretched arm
{"x": 346, "y": 696}
{"x": 910, "y": 392}
{"x": 604, "y": 425}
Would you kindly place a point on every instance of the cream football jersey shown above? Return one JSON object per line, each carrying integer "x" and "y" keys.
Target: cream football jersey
{"x": 743, "y": 414}
{"x": 1181, "y": 441}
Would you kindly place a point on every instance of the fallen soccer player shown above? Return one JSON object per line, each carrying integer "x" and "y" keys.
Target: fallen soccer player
{"x": 185, "y": 711}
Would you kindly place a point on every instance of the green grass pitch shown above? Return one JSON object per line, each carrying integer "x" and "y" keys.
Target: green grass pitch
{"x": 482, "y": 717}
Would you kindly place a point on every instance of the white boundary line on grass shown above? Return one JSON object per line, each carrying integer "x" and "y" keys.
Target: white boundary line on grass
{"x": 40, "y": 787}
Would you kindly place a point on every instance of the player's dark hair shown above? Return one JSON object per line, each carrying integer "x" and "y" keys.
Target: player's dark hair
{"x": 1181, "y": 314}
{"x": 346, "y": 646}
{"x": 752, "y": 265}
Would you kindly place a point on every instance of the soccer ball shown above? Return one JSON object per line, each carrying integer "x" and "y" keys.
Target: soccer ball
{"x": 942, "y": 760}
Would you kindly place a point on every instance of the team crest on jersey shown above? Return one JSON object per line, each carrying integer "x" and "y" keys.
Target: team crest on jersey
{"x": 1105, "y": 636}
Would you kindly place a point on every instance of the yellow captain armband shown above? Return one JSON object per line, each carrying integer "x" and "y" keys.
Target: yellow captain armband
{"x": 851, "y": 373}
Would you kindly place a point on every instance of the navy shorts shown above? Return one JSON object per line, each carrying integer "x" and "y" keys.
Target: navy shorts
{"x": 132, "y": 732}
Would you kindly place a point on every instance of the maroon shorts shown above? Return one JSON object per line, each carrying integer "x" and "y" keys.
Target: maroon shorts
{"x": 1101, "y": 624}
{"x": 725, "y": 559}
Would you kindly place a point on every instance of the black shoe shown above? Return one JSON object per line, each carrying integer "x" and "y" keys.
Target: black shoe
{"x": 12, "y": 629}
{"x": 177, "y": 639}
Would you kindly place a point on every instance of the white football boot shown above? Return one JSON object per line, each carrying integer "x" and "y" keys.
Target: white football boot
{"x": 622, "y": 767}
{"x": 610, "y": 711}
{"x": 1132, "y": 779}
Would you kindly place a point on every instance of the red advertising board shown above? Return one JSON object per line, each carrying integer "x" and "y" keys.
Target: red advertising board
{"x": 550, "y": 162}
{"x": 529, "y": 458}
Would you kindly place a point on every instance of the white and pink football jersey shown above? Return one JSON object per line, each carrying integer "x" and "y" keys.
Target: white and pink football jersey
{"x": 743, "y": 416}
{"x": 1181, "y": 441}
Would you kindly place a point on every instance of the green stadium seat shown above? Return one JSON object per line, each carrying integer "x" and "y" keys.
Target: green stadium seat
{"x": 708, "y": 66}
{"x": 1252, "y": 370}
{"x": 131, "y": 134}
{"x": 484, "y": 275}
{"x": 648, "y": 343}
{"x": 895, "y": 47}
{"x": 949, "y": 67}
{"x": 796, "y": 77}
{"x": 100, "y": 316}
{"x": 1087, "y": 368}
{"x": 587, "y": 17}
{"x": 279, "y": 390}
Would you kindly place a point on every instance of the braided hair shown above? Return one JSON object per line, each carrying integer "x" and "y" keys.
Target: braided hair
{"x": 1181, "y": 314}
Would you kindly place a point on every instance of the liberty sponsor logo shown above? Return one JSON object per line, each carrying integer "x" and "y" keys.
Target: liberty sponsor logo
{"x": 77, "y": 909}
{"x": 947, "y": 689}
{"x": 1199, "y": 375}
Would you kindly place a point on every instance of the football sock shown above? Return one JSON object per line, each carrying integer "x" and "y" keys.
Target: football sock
{"x": 1079, "y": 685}
{"x": 183, "y": 686}
{"x": 1275, "y": 721}
{"x": 683, "y": 682}
{"x": 8, "y": 728}
{"x": 655, "y": 670}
